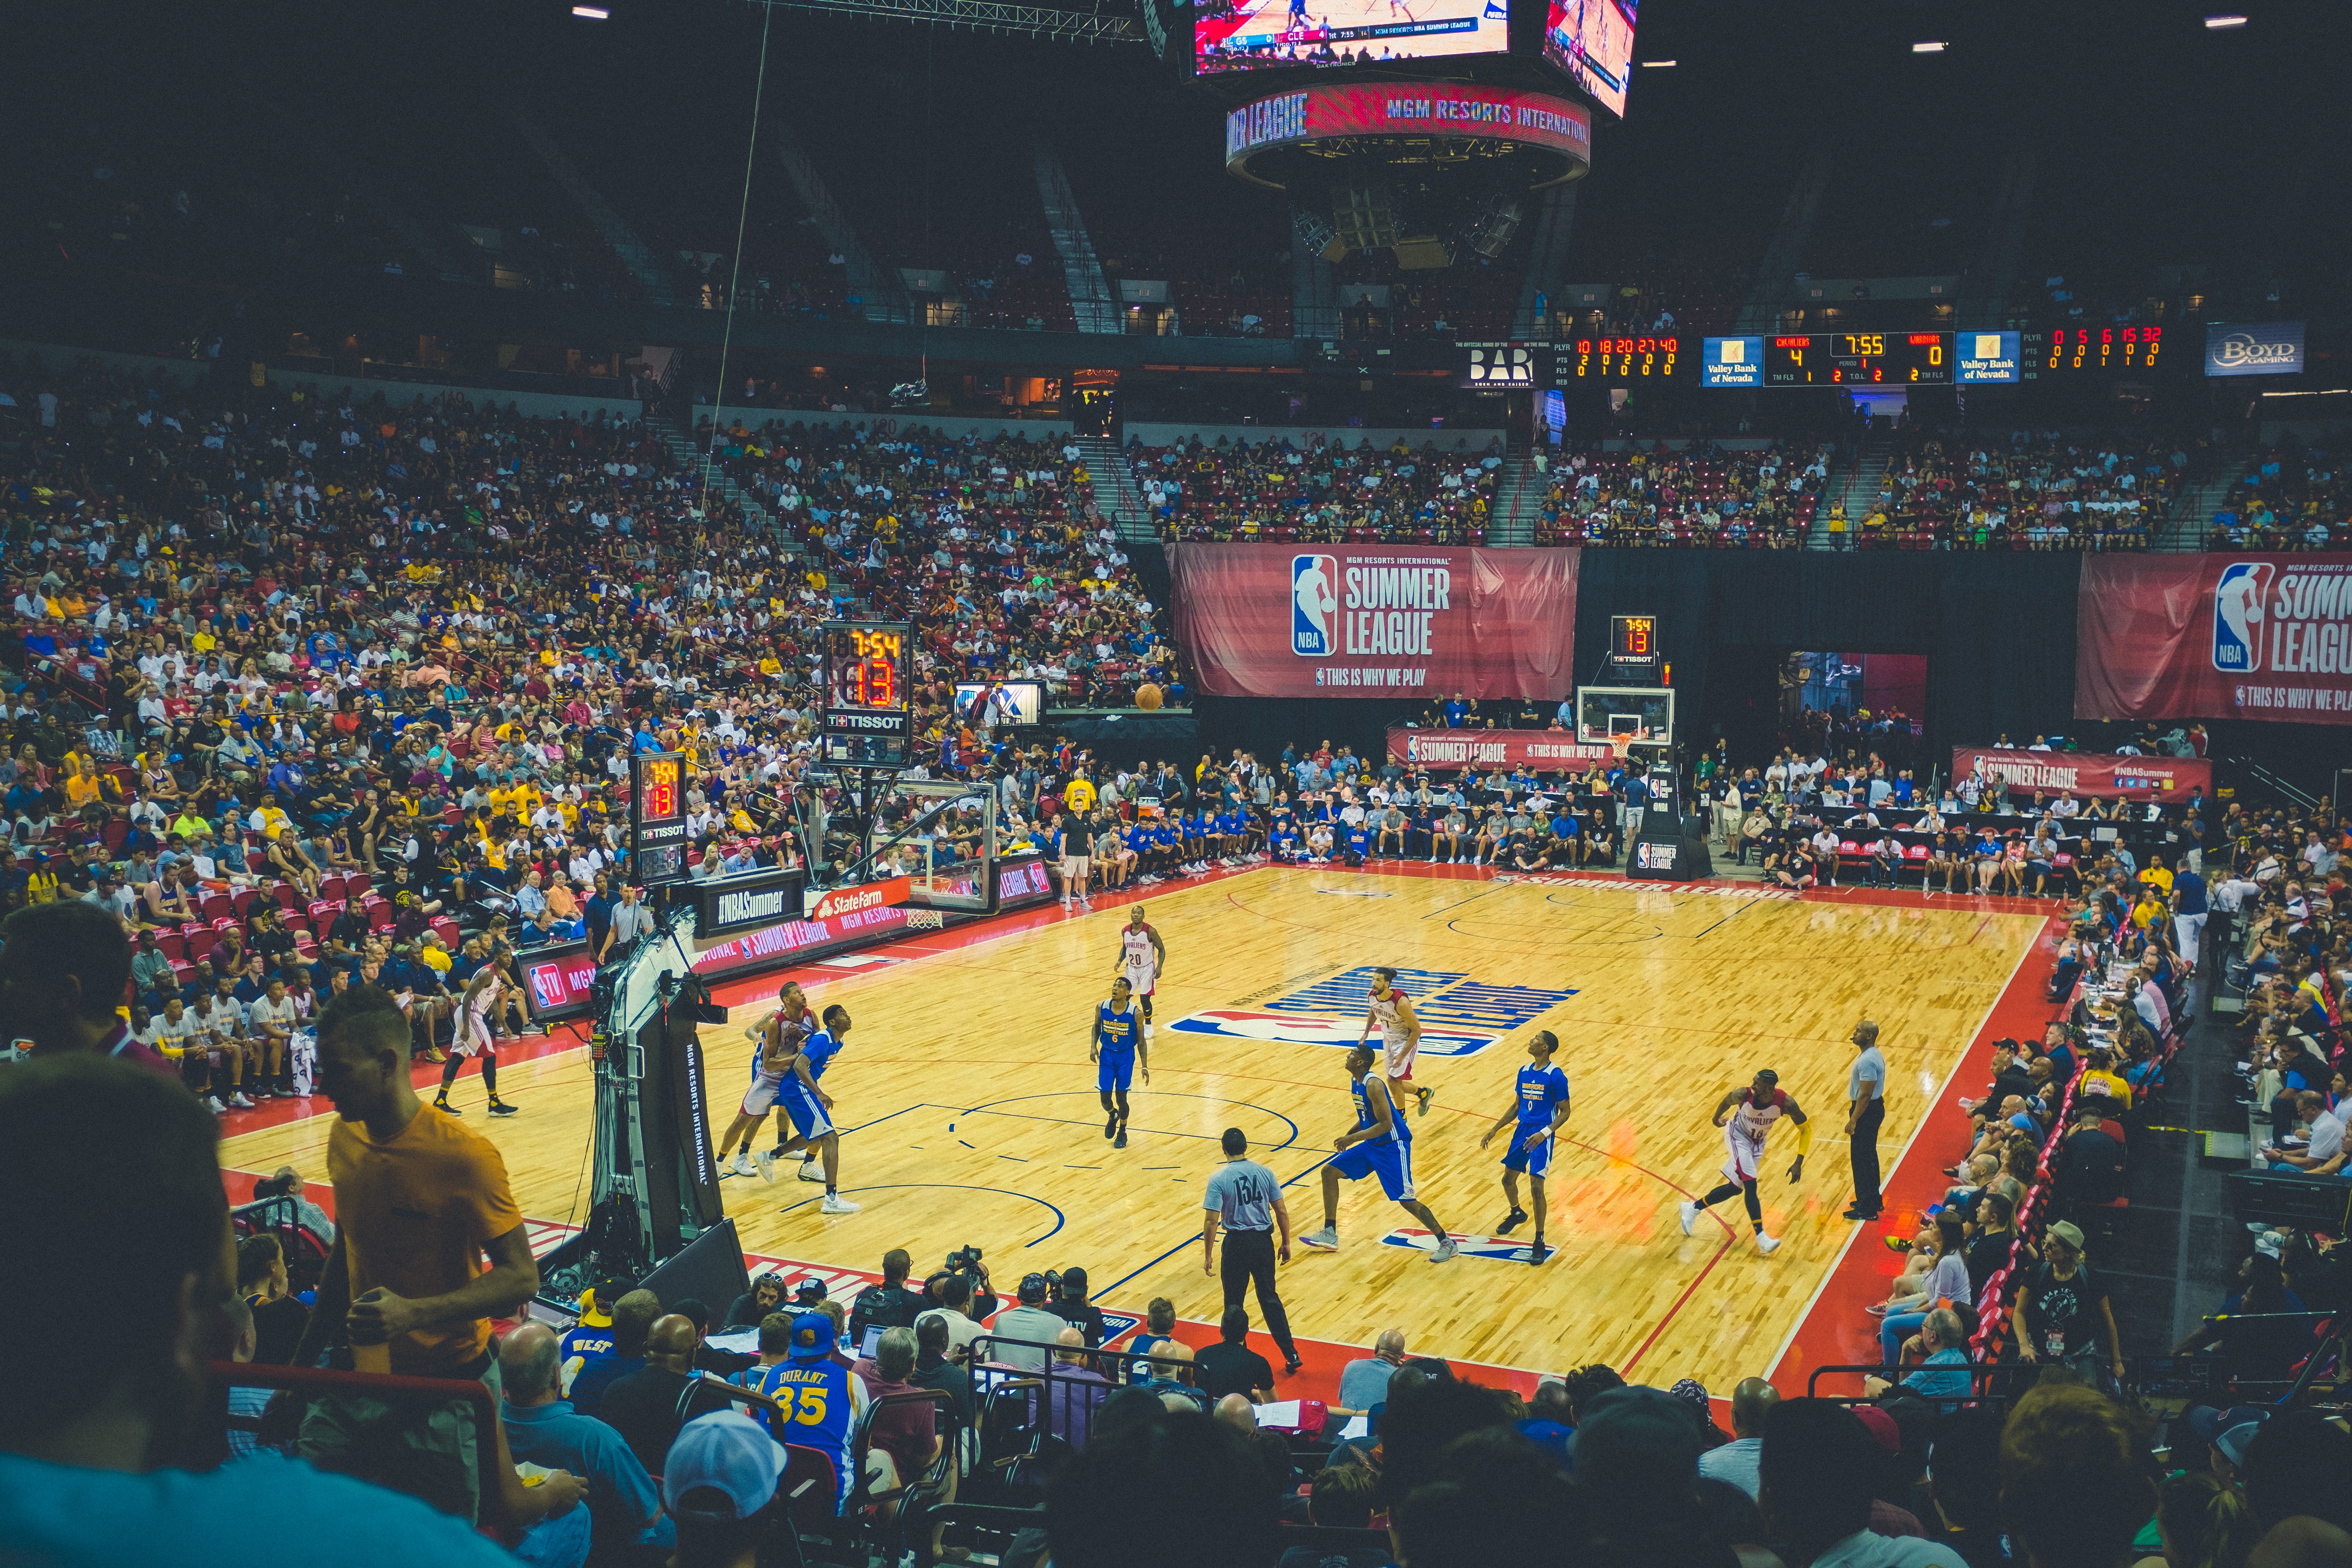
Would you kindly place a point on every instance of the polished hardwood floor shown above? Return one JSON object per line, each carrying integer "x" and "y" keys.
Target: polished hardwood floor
{"x": 973, "y": 1117}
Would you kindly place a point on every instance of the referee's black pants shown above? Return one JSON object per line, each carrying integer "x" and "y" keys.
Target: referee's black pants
{"x": 1862, "y": 1147}
{"x": 1249, "y": 1259}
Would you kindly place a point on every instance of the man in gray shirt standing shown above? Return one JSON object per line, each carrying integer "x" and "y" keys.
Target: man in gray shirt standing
{"x": 1246, "y": 1200}
{"x": 1866, "y": 1094}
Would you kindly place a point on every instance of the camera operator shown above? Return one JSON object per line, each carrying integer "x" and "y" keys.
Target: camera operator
{"x": 967, "y": 1263}
{"x": 890, "y": 1305}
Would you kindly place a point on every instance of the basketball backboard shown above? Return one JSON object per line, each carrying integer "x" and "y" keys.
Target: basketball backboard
{"x": 1606, "y": 713}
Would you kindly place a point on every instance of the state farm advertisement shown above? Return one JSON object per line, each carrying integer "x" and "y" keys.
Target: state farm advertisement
{"x": 1537, "y": 749}
{"x": 2086, "y": 773}
{"x": 1424, "y": 109}
{"x": 1343, "y": 620}
{"x": 2215, "y": 637}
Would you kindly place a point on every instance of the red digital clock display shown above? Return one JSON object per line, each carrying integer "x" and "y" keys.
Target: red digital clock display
{"x": 660, "y": 780}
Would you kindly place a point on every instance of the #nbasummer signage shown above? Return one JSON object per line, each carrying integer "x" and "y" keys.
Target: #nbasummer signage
{"x": 739, "y": 903}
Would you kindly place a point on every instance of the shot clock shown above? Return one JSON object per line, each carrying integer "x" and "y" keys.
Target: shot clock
{"x": 657, "y": 817}
{"x": 1633, "y": 646}
{"x": 866, "y": 692}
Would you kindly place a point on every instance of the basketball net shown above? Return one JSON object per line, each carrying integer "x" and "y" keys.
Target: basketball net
{"x": 1619, "y": 745}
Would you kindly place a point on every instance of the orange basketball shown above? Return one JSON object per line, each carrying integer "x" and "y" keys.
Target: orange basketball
{"x": 1148, "y": 696}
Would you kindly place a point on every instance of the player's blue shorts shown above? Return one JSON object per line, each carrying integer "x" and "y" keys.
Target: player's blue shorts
{"x": 1114, "y": 1070}
{"x": 1392, "y": 1163}
{"x": 1534, "y": 1159}
{"x": 810, "y": 1120}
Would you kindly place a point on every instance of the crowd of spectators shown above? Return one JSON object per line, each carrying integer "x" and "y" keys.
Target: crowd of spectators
{"x": 2038, "y": 490}
{"x": 1756, "y": 499}
{"x": 2286, "y": 497}
{"x": 1320, "y": 490}
{"x": 994, "y": 545}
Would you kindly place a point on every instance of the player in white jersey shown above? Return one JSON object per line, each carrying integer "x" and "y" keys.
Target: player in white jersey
{"x": 485, "y": 995}
{"x": 1746, "y": 1116}
{"x": 1142, "y": 960}
{"x": 775, "y": 1041}
{"x": 1392, "y": 1009}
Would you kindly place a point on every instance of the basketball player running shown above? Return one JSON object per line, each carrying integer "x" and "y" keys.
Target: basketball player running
{"x": 1381, "y": 1144}
{"x": 1752, "y": 1112}
{"x": 1539, "y": 1106}
{"x": 1142, "y": 959}
{"x": 1115, "y": 1045}
{"x": 484, "y": 995}
{"x": 1392, "y": 1009}
{"x": 811, "y": 1109}
{"x": 774, "y": 1041}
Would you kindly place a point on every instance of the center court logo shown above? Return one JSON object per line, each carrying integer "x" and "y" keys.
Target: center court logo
{"x": 2238, "y": 600}
{"x": 1459, "y": 1017}
{"x": 1314, "y": 606}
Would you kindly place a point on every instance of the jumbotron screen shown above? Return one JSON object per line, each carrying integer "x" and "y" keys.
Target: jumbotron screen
{"x": 1257, "y": 35}
{"x": 1593, "y": 40}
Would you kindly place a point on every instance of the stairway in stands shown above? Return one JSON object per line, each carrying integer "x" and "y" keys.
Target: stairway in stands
{"x": 1091, "y": 301}
{"x": 881, "y": 294}
{"x": 1519, "y": 503}
{"x": 2184, "y": 525}
{"x": 1856, "y": 486}
{"x": 1116, "y": 494}
{"x": 661, "y": 284}
{"x": 690, "y": 457}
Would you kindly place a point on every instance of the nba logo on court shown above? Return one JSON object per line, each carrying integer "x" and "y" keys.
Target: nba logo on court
{"x": 1314, "y": 606}
{"x": 1459, "y": 1017}
{"x": 2238, "y": 615}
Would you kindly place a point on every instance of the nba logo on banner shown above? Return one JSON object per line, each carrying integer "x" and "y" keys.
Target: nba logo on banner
{"x": 1314, "y": 606}
{"x": 2238, "y": 615}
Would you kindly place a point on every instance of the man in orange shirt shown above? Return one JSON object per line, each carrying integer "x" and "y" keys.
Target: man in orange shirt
{"x": 419, "y": 1198}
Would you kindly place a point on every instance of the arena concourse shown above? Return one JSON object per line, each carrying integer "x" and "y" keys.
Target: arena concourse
{"x": 781, "y": 789}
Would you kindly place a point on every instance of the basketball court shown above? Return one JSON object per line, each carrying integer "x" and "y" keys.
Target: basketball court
{"x": 970, "y": 1113}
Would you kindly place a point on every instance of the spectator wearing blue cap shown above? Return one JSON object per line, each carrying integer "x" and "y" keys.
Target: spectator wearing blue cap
{"x": 720, "y": 1489}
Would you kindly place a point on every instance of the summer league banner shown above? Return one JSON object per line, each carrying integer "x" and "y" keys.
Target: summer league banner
{"x": 2102, "y": 774}
{"x": 2215, "y": 637}
{"x": 1540, "y": 749}
{"x": 1376, "y": 620}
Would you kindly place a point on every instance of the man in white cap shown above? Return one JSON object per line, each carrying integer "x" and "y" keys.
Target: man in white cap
{"x": 720, "y": 1486}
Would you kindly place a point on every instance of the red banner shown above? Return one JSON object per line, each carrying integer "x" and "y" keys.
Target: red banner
{"x": 1541, "y": 749}
{"x": 1376, "y": 620}
{"x": 2215, "y": 637}
{"x": 2087, "y": 772}
{"x": 864, "y": 896}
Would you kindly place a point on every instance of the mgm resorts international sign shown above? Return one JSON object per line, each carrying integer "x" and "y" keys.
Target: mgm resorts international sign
{"x": 731, "y": 904}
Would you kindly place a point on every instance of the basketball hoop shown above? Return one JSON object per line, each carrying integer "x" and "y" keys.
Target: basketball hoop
{"x": 1619, "y": 745}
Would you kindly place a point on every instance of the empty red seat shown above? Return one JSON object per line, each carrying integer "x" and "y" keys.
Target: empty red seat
{"x": 285, "y": 894}
{"x": 242, "y": 899}
{"x": 216, "y": 907}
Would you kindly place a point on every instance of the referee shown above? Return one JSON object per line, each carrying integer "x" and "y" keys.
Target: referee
{"x": 1245, "y": 1198}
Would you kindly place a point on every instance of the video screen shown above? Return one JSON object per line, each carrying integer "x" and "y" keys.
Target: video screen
{"x": 1257, "y": 35}
{"x": 1015, "y": 703}
{"x": 1593, "y": 40}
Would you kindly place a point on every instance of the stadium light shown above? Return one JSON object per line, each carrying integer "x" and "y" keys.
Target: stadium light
{"x": 1929, "y": 46}
{"x": 2216, "y": 24}
{"x": 593, "y": 13}
{"x": 1657, "y": 65}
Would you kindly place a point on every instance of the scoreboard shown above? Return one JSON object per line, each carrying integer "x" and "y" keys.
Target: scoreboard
{"x": 1859, "y": 359}
{"x": 866, "y": 697}
{"x": 1891, "y": 359}
{"x": 657, "y": 838}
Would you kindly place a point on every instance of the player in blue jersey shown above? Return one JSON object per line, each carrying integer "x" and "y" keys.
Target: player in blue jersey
{"x": 774, "y": 1040}
{"x": 1379, "y": 1144}
{"x": 1196, "y": 841}
{"x": 811, "y": 1109}
{"x": 1115, "y": 1043}
{"x": 1539, "y": 1109}
{"x": 1356, "y": 846}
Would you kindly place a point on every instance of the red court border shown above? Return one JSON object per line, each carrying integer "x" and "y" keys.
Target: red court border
{"x": 1832, "y": 1331}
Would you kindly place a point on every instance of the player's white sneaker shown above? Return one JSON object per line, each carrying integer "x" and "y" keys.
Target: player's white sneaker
{"x": 238, "y": 1101}
{"x": 835, "y": 1204}
{"x": 1767, "y": 1245}
{"x": 741, "y": 1165}
{"x": 1327, "y": 1240}
{"x": 1446, "y": 1247}
{"x": 1690, "y": 1217}
{"x": 812, "y": 1170}
{"x": 212, "y": 1104}
{"x": 765, "y": 1163}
